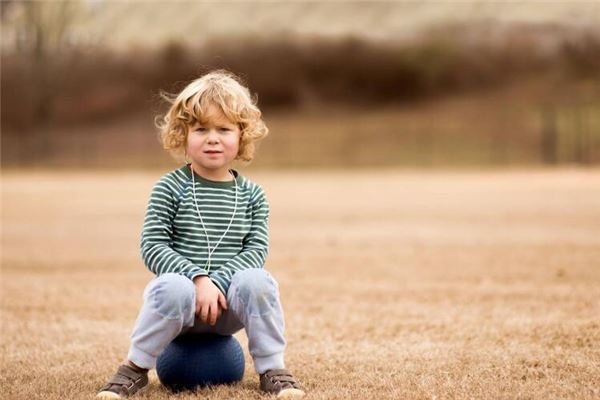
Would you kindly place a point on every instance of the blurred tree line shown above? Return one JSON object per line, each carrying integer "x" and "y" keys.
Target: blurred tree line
{"x": 49, "y": 81}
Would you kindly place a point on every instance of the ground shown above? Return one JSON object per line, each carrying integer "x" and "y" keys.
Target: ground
{"x": 397, "y": 284}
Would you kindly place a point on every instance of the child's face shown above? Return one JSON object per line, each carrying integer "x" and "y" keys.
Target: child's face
{"x": 213, "y": 144}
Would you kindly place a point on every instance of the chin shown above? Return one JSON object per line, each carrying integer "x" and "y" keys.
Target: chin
{"x": 213, "y": 166}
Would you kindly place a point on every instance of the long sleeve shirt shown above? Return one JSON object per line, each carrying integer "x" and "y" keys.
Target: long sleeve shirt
{"x": 174, "y": 240}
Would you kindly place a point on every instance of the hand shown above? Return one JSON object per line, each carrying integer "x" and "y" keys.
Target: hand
{"x": 210, "y": 302}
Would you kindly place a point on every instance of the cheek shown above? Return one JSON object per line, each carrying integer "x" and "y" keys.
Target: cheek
{"x": 193, "y": 141}
{"x": 234, "y": 143}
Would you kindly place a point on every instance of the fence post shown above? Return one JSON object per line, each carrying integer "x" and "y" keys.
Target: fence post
{"x": 549, "y": 136}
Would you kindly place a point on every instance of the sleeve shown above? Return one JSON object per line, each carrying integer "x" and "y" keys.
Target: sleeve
{"x": 156, "y": 240}
{"x": 255, "y": 246}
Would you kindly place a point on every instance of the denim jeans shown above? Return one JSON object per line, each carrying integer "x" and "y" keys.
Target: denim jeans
{"x": 169, "y": 310}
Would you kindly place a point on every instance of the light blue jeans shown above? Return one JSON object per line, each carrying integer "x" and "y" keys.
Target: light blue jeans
{"x": 169, "y": 310}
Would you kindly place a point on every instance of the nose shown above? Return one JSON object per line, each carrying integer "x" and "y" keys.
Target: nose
{"x": 213, "y": 137}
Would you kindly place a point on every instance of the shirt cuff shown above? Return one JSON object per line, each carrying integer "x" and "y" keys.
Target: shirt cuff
{"x": 196, "y": 272}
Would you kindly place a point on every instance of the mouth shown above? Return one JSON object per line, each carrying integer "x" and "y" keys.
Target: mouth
{"x": 213, "y": 152}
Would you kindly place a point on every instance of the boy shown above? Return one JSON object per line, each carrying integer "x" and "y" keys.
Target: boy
{"x": 205, "y": 236}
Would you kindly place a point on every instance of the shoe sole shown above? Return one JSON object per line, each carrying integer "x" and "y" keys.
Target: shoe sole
{"x": 290, "y": 394}
{"x": 108, "y": 395}
{"x": 112, "y": 395}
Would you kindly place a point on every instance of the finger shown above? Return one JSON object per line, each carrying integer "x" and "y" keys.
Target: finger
{"x": 198, "y": 303}
{"x": 213, "y": 313}
{"x": 198, "y": 308}
{"x": 204, "y": 313}
{"x": 219, "y": 312}
{"x": 222, "y": 301}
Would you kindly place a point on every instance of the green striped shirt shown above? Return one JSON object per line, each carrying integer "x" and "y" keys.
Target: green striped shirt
{"x": 173, "y": 239}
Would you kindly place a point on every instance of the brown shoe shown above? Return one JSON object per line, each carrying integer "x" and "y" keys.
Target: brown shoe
{"x": 125, "y": 383}
{"x": 281, "y": 383}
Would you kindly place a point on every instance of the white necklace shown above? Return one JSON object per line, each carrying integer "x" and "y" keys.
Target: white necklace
{"x": 211, "y": 251}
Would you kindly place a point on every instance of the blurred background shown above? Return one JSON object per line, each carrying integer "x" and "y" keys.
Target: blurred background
{"x": 432, "y": 171}
{"x": 341, "y": 84}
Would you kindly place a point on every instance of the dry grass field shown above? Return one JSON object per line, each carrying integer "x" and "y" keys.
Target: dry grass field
{"x": 397, "y": 284}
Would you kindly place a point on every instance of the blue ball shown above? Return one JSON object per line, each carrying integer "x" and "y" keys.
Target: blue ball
{"x": 197, "y": 360}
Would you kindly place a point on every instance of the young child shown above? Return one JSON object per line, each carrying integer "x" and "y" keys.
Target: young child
{"x": 205, "y": 237}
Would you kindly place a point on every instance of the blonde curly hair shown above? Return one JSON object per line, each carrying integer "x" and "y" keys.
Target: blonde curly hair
{"x": 219, "y": 88}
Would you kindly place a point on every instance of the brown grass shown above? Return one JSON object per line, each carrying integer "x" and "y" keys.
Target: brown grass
{"x": 396, "y": 284}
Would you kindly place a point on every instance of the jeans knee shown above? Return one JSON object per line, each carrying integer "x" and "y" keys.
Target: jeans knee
{"x": 257, "y": 290}
{"x": 171, "y": 295}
